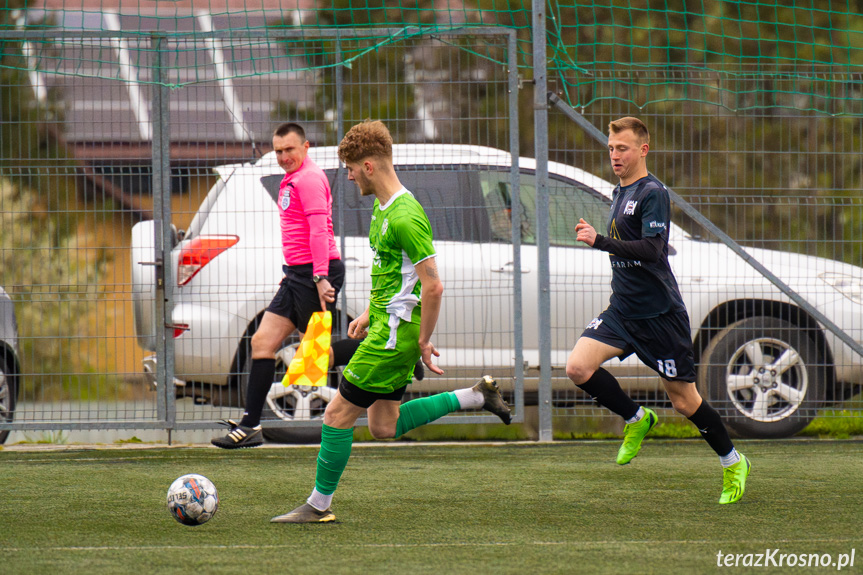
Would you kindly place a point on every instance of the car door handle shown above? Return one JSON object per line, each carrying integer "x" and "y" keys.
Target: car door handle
{"x": 508, "y": 268}
{"x": 354, "y": 263}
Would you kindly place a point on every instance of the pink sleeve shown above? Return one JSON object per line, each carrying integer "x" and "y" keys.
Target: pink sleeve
{"x": 319, "y": 243}
{"x": 315, "y": 197}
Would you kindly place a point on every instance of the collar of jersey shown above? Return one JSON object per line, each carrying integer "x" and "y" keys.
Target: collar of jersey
{"x": 402, "y": 191}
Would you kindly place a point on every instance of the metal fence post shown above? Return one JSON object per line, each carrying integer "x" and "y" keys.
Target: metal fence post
{"x": 515, "y": 182}
{"x": 161, "y": 178}
{"x": 340, "y": 124}
{"x": 540, "y": 119}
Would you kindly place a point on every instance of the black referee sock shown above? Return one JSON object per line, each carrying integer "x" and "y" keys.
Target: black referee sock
{"x": 709, "y": 424}
{"x": 604, "y": 388}
{"x": 343, "y": 350}
{"x": 260, "y": 381}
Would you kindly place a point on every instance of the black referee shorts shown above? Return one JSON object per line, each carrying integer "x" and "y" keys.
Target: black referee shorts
{"x": 297, "y": 298}
{"x": 663, "y": 343}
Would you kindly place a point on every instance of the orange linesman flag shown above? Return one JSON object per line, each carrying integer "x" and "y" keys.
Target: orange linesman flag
{"x": 309, "y": 367}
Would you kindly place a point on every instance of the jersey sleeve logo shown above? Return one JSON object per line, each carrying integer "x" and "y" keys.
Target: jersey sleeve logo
{"x": 630, "y": 207}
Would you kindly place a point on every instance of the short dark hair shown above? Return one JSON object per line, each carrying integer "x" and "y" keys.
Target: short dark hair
{"x": 290, "y": 128}
{"x": 638, "y": 128}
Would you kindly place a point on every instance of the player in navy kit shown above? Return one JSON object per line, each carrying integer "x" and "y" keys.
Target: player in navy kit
{"x": 646, "y": 314}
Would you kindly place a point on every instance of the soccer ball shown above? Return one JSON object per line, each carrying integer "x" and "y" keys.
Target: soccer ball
{"x": 192, "y": 499}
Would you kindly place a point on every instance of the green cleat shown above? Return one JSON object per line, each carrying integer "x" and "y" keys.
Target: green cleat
{"x": 305, "y": 513}
{"x": 633, "y": 434}
{"x": 734, "y": 481}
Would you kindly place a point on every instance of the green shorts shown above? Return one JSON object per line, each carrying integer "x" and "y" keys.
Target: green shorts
{"x": 385, "y": 360}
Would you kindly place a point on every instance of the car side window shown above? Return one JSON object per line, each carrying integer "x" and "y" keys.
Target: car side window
{"x": 465, "y": 204}
{"x": 568, "y": 201}
{"x": 272, "y": 183}
{"x": 497, "y": 194}
{"x": 351, "y": 212}
{"x": 450, "y": 195}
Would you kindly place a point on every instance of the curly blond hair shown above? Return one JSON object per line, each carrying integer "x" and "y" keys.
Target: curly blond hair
{"x": 369, "y": 139}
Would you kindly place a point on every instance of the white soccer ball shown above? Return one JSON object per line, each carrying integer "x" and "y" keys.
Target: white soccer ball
{"x": 192, "y": 499}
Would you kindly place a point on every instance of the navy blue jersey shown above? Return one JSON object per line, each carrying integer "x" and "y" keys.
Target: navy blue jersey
{"x": 642, "y": 289}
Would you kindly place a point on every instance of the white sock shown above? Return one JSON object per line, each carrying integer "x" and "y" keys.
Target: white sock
{"x": 730, "y": 459}
{"x": 469, "y": 399}
{"x": 637, "y": 417}
{"x": 320, "y": 501}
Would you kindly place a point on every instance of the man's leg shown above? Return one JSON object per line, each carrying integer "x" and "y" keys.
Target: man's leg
{"x": 688, "y": 402}
{"x": 484, "y": 394}
{"x": 265, "y": 342}
{"x": 337, "y": 436}
{"x": 389, "y": 419}
{"x": 583, "y": 368}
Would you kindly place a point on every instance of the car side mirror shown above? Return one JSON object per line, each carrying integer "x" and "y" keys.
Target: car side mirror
{"x": 176, "y": 235}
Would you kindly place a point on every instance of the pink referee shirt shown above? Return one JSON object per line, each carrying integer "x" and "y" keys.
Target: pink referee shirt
{"x": 306, "y": 217}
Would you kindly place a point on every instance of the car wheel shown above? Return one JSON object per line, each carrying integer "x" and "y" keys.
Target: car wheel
{"x": 8, "y": 394}
{"x": 293, "y": 402}
{"x": 764, "y": 375}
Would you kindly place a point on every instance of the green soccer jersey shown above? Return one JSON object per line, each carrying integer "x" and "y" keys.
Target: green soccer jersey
{"x": 401, "y": 237}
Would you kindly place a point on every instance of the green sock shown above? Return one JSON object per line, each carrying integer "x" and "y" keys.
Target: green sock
{"x": 333, "y": 457}
{"x": 420, "y": 411}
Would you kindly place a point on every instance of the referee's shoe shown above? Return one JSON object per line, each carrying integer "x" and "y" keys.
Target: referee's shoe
{"x": 494, "y": 402}
{"x": 240, "y": 436}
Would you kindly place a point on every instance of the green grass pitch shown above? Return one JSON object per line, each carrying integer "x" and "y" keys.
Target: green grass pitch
{"x": 436, "y": 509}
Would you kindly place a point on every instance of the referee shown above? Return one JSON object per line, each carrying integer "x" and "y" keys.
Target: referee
{"x": 314, "y": 275}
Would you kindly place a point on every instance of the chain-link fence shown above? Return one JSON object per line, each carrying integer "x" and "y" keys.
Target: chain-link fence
{"x": 132, "y": 265}
{"x": 139, "y": 233}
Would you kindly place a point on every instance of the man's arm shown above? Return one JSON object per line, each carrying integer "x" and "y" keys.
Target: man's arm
{"x": 432, "y": 294}
{"x": 645, "y": 249}
{"x": 359, "y": 328}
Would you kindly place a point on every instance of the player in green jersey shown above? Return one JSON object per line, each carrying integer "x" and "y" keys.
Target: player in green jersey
{"x": 396, "y": 328}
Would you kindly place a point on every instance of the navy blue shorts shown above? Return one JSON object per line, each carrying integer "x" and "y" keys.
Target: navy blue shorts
{"x": 663, "y": 343}
{"x": 297, "y": 298}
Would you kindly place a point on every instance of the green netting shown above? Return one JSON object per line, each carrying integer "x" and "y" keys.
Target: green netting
{"x": 803, "y": 54}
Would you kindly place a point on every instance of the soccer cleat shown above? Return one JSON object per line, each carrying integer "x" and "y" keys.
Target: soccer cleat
{"x": 734, "y": 480}
{"x": 633, "y": 435}
{"x": 240, "y": 436}
{"x": 494, "y": 402}
{"x": 305, "y": 513}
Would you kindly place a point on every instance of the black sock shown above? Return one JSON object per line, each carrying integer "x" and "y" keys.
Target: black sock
{"x": 605, "y": 389}
{"x": 343, "y": 350}
{"x": 260, "y": 382}
{"x": 709, "y": 424}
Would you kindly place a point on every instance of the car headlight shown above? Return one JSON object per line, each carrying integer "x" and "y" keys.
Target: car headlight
{"x": 849, "y": 286}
